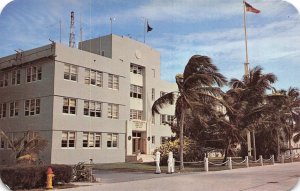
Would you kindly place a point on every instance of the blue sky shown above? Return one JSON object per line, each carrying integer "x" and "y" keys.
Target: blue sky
{"x": 180, "y": 30}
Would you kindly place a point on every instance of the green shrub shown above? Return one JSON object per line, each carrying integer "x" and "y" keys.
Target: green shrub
{"x": 191, "y": 152}
{"x": 28, "y": 177}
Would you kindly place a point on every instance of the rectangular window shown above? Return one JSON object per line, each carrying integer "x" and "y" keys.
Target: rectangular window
{"x": 166, "y": 118}
{"x": 153, "y": 139}
{"x": 32, "y": 107}
{"x": 153, "y": 73}
{"x": 93, "y": 77}
{"x": 162, "y": 119}
{"x": 91, "y": 139}
{"x": 68, "y": 139}
{"x": 112, "y": 111}
{"x": 136, "y": 114}
{"x": 92, "y": 108}
{"x": 14, "y": 109}
{"x": 33, "y": 73}
{"x": 153, "y": 94}
{"x": 153, "y": 119}
{"x": 4, "y": 79}
{"x": 136, "y": 69}
{"x": 70, "y": 72}
{"x": 2, "y": 110}
{"x": 113, "y": 81}
{"x": 112, "y": 140}
{"x": 69, "y": 105}
{"x": 16, "y": 77}
{"x": 136, "y": 91}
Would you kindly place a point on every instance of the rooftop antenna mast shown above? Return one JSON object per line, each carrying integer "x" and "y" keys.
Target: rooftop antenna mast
{"x": 80, "y": 31}
{"x": 72, "y": 32}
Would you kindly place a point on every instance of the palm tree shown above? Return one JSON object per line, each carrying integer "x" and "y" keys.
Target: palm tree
{"x": 249, "y": 97}
{"x": 286, "y": 111}
{"x": 195, "y": 89}
{"x": 25, "y": 148}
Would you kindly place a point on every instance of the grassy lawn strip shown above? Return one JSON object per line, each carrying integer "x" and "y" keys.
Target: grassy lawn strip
{"x": 150, "y": 167}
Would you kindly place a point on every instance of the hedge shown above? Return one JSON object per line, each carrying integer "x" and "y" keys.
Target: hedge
{"x": 28, "y": 177}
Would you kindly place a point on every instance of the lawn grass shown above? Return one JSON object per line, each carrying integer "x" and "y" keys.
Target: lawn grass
{"x": 150, "y": 167}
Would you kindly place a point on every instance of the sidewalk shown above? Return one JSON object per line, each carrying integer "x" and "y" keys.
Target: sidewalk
{"x": 278, "y": 177}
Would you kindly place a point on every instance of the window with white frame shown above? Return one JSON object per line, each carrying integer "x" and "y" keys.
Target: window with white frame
{"x": 2, "y": 110}
{"x": 166, "y": 118}
{"x": 32, "y": 107}
{"x": 153, "y": 94}
{"x": 33, "y": 73}
{"x": 153, "y": 119}
{"x": 153, "y": 139}
{"x": 92, "y": 108}
{"x": 112, "y": 140}
{"x": 68, "y": 139}
{"x": 69, "y": 105}
{"x": 136, "y": 91}
{"x": 170, "y": 118}
{"x": 136, "y": 69}
{"x": 91, "y": 139}
{"x": 136, "y": 114}
{"x": 3, "y": 79}
{"x": 113, "y": 81}
{"x": 112, "y": 111}
{"x": 70, "y": 72}
{"x": 14, "y": 109}
{"x": 93, "y": 77}
{"x": 162, "y": 119}
{"x": 16, "y": 77}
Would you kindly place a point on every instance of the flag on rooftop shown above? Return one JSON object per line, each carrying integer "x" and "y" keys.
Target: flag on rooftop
{"x": 249, "y": 8}
{"x": 148, "y": 27}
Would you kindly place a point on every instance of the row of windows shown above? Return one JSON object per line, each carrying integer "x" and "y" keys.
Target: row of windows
{"x": 166, "y": 118}
{"x": 91, "y": 108}
{"x": 28, "y": 136}
{"x": 33, "y": 73}
{"x": 31, "y": 107}
{"x": 89, "y": 140}
{"x": 136, "y": 69}
{"x": 136, "y": 114}
{"x": 136, "y": 91}
{"x": 92, "y": 77}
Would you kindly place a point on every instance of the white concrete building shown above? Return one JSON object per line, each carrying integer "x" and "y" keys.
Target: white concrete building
{"x": 94, "y": 103}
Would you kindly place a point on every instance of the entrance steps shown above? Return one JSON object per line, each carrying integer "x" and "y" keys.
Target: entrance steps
{"x": 141, "y": 158}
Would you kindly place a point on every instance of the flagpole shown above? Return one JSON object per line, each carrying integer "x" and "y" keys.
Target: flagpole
{"x": 246, "y": 65}
{"x": 144, "y": 30}
{"x": 246, "y": 68}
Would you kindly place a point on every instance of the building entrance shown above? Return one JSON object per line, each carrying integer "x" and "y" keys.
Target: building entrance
{"x": 137, "y": 143}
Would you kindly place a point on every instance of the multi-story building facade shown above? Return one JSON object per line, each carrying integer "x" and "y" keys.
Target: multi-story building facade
{"x": 88, "y": 103}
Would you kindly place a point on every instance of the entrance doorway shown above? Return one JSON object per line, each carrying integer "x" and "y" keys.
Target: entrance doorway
{"x": 137, "y": 143}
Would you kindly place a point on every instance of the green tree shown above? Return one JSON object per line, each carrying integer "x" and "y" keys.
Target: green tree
{"x": 248, "y": 100}
{"x": 196, "y": 89}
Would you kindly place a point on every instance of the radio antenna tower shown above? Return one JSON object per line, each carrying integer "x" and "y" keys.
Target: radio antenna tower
{"x": 72, "y": 32}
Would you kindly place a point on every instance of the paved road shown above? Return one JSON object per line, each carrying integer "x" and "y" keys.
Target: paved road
{"x": 280, "y": 177}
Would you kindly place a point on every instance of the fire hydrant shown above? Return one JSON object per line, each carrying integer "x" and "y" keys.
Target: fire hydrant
{"x": 50, "y": 176}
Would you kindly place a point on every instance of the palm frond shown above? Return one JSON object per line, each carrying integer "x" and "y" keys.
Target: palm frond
{"x": 167, "y": 99}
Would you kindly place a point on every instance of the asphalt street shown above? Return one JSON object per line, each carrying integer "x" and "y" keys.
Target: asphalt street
{"x": 279, "y": 177}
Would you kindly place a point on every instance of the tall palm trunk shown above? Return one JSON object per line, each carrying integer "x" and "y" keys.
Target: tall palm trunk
{"x": 254, "y": 145}
{"x": 181, "y": 141}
